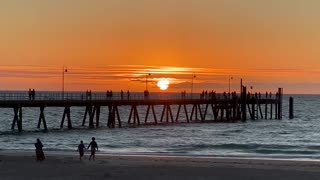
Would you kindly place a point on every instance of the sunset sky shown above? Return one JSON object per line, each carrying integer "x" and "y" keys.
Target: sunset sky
{"x": 114, "y": 44}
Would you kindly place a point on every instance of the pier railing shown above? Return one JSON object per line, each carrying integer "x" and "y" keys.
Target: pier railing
{"x": 42, "y": 95}
{"x": 56, "y": 95}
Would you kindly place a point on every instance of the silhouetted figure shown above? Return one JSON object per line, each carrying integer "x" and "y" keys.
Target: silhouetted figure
{"x": 81, "y": 149}
{"x": 94, "y": 147}
{"x": 87, "y": 95}
{"x": 128, "y": 94}
{"x": 33, "y": 94}
{"x": 146, "y": 93}
{"x": 121, "y": 94}
{"x": 39, "y": 150}
{"x": 30, "y": 93}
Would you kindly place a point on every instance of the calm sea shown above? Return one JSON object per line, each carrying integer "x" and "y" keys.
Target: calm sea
{"x": 296, "y": 138}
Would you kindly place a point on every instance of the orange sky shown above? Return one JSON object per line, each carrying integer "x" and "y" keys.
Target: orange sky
{"x": 268, "y": 44}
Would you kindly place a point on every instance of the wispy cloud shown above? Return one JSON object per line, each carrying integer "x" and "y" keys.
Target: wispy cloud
{"x": 134, "y": 77}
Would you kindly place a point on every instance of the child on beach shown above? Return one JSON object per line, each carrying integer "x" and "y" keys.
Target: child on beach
{"x": 94, "y": 147}
{"x": 39, "y": 150}
{"x": 81, "y": 149}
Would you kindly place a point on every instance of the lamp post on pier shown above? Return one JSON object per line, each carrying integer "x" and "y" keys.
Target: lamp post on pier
{"x": 64, "y": 70}
{"x": 147, "y": 75}
{"x": 230, "y": 78}
{"x": 193, "y": 76}
{"x": 146, "y": 92}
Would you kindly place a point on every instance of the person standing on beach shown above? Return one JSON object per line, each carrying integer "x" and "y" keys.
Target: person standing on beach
{"x": 39, "y": 150}
{"x": 94, "y": 147}
{"x": 81, "y": 149}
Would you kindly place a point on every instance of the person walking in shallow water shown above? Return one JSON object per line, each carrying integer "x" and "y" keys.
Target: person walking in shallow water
{"x": 39, "y": 150}
{"x": 81, "y": 149}
{"x": 94, "y": 146}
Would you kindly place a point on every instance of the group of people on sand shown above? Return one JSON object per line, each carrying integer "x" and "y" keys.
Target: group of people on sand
{"x": 81, "y": 149}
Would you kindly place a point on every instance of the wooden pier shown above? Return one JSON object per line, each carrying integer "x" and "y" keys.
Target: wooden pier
{"x": 222, "y": 107}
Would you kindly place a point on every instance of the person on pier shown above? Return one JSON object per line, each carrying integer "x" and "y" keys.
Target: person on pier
{"x": 33, "y": 94}
{"x": 30, "y": 93}
{"x": 39, "y": 150}
{"x": 94, "y": 146}
{"x": 121, "y": 94}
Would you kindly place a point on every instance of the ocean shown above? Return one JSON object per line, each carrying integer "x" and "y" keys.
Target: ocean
{"x": 297, "y": 138}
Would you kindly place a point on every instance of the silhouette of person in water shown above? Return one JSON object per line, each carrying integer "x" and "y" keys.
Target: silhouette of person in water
{"x": 39, "y": 150}
{"x": 94, "y": 147}
{"x": 81, "y": 149}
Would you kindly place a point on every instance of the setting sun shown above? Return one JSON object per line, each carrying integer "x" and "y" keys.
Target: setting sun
{"x": 163, "y": 84}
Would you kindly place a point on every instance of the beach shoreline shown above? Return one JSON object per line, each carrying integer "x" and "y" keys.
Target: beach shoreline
{"x": 68, "y": 166}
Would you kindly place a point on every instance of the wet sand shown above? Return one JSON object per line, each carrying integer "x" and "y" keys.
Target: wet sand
{"x": 14, "y": 166}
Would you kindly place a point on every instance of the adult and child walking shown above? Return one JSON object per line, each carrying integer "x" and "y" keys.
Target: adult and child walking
{"x": 94, "y": 147}
{"x": 81, "y": 149}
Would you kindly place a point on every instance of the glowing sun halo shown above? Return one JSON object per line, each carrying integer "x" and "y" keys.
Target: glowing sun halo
{"x": 163, "y": 84}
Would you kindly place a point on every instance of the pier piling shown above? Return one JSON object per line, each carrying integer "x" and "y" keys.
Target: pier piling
{"x": 291, "y": 116}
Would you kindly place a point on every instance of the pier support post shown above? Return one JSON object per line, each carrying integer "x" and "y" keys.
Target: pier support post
{"x": 17, "y": 119}
{"x": 111, "y": 117}
{"x": 205, "y": 111}
{"x": 167, "y": 111}
{"x": 97, "y": 116}
{"x": 243, "y": 104}
{"x": 66, "y": 112}
{"x": 135, "y": 114}
{"x": 253, "y": 110}
{"x": 178, "y": 112}
{"x": 113, "y": 114}
{"x": 194, "y": 111}
{"x": 200, "y": 113}
{"x": 153, "y": 112}
{"x": 154, "y": 115}
{"x": 88, "y": 111}
{"x": 291, "y": 116}
{"x": 280, "y": 95}
{"x": 91, "y": 124}
{"x": 42, "y": 118}
{"x": 271, "y": 109}
{"x": 215, "y": 111}
{"x": 266, "y": 107}
{"x": 118, "y": 115}
{"x": 186, "y": 112}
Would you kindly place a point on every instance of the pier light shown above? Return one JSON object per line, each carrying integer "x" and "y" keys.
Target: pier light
{"x": 64, "y": 70}
{"x": 230, "y": 78}
{"x": 147, "y": 75}
{"x": 193, "y": 77}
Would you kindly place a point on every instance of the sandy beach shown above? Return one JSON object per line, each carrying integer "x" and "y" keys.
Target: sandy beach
{"x": 15, "y": 166}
